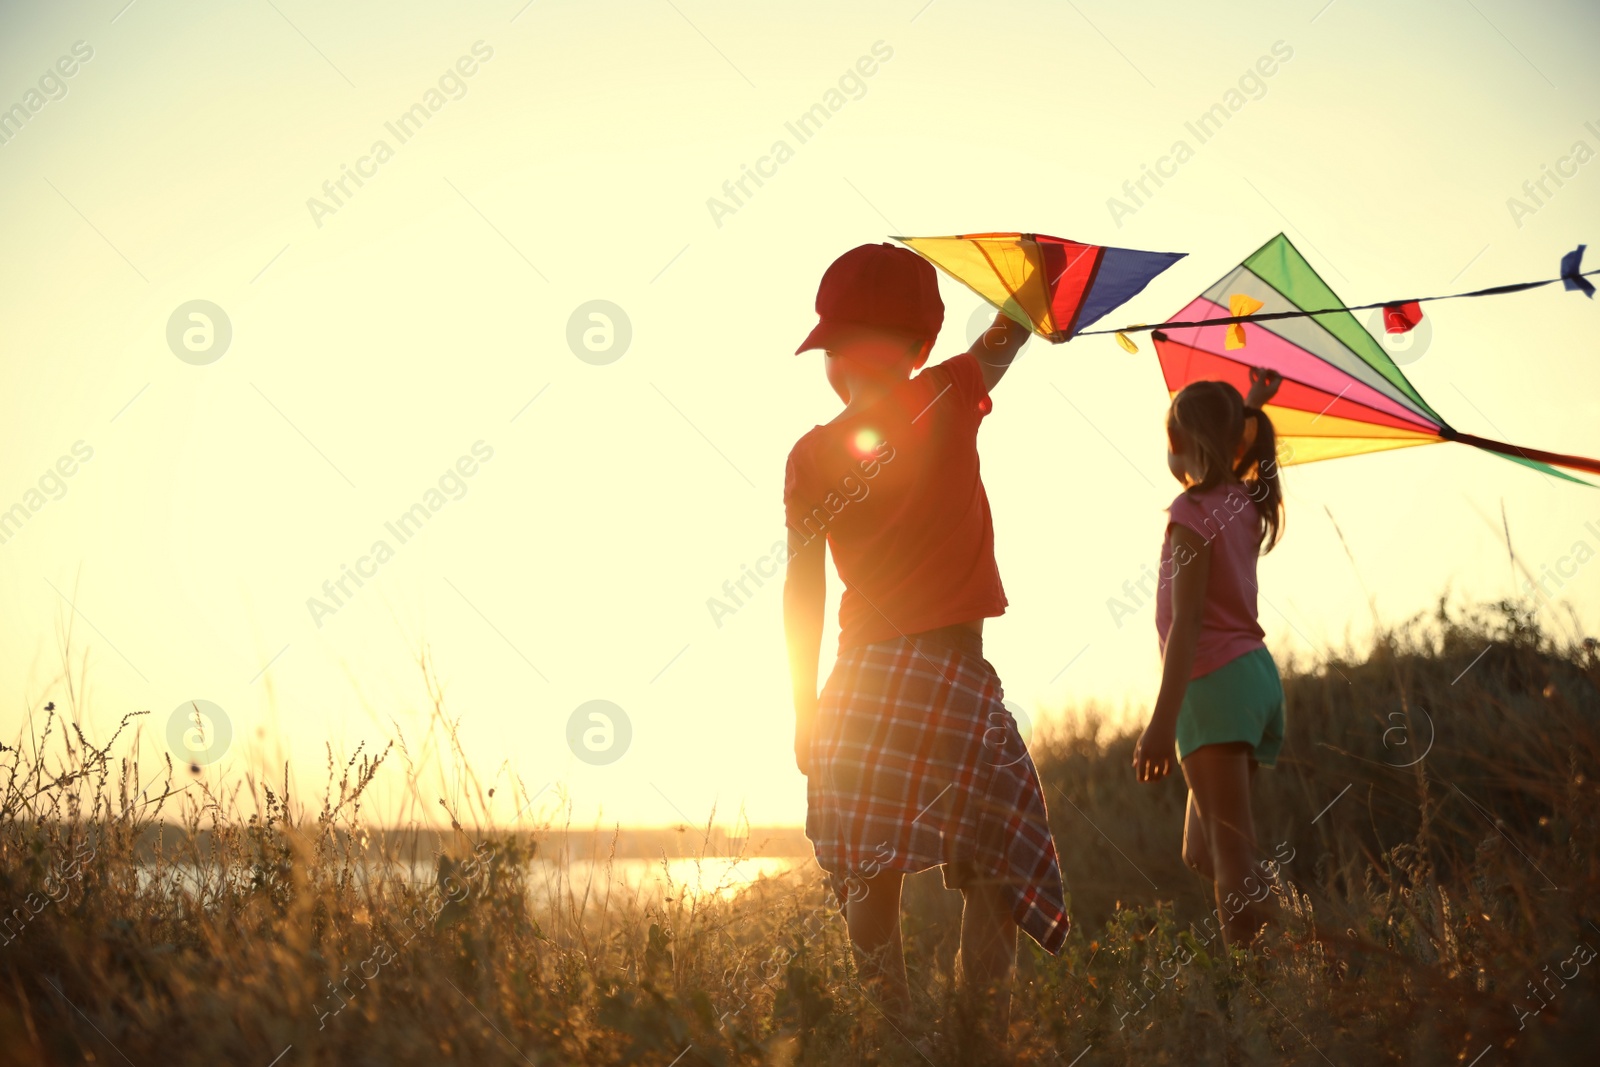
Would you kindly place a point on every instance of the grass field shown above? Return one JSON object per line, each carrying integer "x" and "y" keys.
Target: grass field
{"x": 1436, "y": 805}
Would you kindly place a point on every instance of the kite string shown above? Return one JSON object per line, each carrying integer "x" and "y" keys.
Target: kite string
{"x": 1496, "y": 290}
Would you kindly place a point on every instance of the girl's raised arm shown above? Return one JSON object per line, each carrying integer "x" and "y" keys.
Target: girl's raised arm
{"x": 1263, "y": 386}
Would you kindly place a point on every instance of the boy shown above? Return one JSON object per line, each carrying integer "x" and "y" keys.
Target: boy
{"x": 911, "y": 759}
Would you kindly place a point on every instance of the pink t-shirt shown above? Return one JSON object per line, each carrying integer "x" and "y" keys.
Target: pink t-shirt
{"x": 1225, "y": 517}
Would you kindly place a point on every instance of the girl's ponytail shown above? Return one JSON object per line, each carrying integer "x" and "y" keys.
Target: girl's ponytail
{"x": 1257, "y": 468}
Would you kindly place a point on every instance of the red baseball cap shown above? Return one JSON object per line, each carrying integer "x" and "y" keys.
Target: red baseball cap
{"x": 882, "y": 286}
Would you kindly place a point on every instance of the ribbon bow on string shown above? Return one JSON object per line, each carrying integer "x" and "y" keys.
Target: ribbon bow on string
{"x": 1572, "y": 272}
{"x": 1240, "y": 306}
{"x": 1402, "y": 317}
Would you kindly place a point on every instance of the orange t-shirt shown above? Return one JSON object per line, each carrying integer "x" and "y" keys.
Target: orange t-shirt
{"x": 896, "y": 490}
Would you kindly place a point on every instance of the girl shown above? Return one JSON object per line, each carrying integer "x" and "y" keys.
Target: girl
{"x": 1220, "y": 708}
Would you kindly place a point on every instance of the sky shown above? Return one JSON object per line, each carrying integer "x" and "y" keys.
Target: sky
{"x": 426, "y": 336}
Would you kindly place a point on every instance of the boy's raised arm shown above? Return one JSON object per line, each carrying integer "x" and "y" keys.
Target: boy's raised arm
{"x": 804, "y": 601}
{"x": 997, "y": 347}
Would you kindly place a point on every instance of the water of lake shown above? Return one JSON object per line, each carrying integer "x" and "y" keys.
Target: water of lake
{"x": 548, "y": 880}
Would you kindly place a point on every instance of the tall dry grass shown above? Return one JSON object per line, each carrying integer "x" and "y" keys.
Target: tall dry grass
{"x": 1437, "y": 792}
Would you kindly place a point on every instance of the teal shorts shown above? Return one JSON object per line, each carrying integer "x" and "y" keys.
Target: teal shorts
{"x": 1242, "y": 700}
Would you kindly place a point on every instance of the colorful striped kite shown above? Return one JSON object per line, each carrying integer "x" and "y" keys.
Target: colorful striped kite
{"x": 1053, "y": 286}
{"x": 1341, "y": 394}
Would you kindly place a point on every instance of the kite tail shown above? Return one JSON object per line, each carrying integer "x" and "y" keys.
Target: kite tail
{"x": 1579, "y": 463}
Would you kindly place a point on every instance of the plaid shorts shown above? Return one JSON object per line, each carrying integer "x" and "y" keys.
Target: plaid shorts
{"x": 916, "y": 762}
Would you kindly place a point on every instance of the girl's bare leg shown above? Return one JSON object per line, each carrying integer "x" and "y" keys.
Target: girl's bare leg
{"x": 873, "y": 918}
{"x": 1196, "y": 849}
{"x": 1219, "y": 787}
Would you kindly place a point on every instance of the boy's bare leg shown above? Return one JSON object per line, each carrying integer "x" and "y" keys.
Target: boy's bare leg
{"x": 988, "y": 950}
{"x": 1219, "y": 783}
{"x": 874, "y": 922}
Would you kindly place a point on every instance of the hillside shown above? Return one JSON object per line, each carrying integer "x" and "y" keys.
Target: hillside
{"x": 1436, "y": 805}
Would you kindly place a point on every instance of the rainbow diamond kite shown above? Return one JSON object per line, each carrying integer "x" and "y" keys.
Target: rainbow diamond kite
{"x": 1051, "y": 285}
{"x": 1341, "y": 394}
